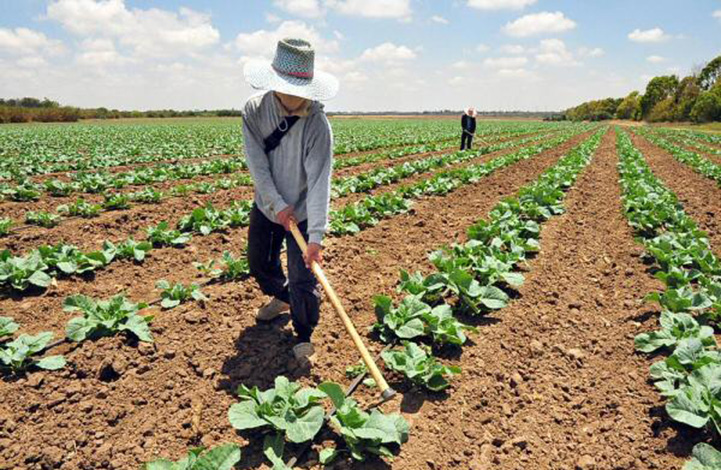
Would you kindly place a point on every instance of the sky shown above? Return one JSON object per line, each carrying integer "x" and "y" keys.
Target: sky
{"x": 404, "y": 55}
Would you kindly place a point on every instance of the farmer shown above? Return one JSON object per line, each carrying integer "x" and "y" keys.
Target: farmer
{"x": 468, "y": 123}
{"x": 289, "y": 150}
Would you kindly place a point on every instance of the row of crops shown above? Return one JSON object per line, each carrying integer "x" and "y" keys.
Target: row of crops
{"x": 684, "y": 261}
{"x": 289, "y": 412}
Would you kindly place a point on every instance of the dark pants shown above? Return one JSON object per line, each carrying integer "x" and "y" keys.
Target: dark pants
{"x": 265, "y": 240}
{"x": 466, "y": 140}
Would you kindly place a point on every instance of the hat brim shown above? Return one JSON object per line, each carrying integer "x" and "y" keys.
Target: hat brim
{"x": 262, "y": 76}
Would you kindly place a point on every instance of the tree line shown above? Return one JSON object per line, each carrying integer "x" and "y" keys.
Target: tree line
{"x": 18, "y": 110}
{"x": 695, "y": 98}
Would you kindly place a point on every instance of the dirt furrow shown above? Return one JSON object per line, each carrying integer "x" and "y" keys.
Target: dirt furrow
{"x": 700, "y": 196}
{"x": 119, "y": 404}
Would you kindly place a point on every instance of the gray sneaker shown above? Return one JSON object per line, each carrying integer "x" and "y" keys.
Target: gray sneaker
{"x": 272, "y": 310}
{"x": 304, "y": 353}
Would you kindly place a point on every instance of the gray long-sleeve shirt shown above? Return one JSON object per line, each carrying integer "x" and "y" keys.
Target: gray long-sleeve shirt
{"x": 297, "y": 173}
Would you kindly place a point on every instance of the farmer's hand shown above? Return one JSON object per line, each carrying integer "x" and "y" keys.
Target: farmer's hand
{"x": 285, "y": 216}
{"x": 314, "y": 253}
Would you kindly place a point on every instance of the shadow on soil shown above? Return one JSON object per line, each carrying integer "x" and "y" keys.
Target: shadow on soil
{"x": 262, "y": 353}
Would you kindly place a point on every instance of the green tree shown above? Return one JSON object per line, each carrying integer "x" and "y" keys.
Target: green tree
{"x": 664, "y": 111}
{"x": 710, "y": 74}
{"x": 658, "y": 89}
{"x": 630, "y": 107}
{"x": 707, "y": 107}
{"x": 686, "y": 96}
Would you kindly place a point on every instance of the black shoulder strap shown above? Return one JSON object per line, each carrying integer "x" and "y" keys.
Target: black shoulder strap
{"x": 273, "y": 140}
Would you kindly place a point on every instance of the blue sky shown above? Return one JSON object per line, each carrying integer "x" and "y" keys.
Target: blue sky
{"x": 388, "y": 54}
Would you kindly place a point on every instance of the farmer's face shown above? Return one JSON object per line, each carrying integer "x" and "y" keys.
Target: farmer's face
{"x": 290, "y": 102}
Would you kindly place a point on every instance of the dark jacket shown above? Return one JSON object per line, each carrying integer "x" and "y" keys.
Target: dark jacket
{"x": 468, "y": 123}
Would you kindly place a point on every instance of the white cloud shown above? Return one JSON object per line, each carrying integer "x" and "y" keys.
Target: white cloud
{"x": 152, "y": 32}
{"x": 483, "y": 48}
{"x": 457, "y": 80}
{"x": 304, "y": 8}
{"x": 388, "y": 52}
{"x": 31, "y": 62}
{"x": 505, "y": 62}
{"x": 262, "y": 42}
{"x": 539, "y": 23}
{"x": 590, "y": 51}
{"x": 461, "y": 64}
{"x": 655, "y": 59}
{"x": 500, "y": 4}
{"x": 400, "y": 9}
{"x": 520, "y": 73}
{"x": 717, "y": 14}
{"x": 555, "y": 52}
{"x": 512, "y": 49}
{"x": 439, "y": 19}
{"x": 27, "y": 41}
{"x": 98, "y": 53}
{"x": 649, "y": 35}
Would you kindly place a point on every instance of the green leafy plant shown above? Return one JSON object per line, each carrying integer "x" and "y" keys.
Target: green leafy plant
{"x": 419, "y": 367}
{"x": 17, "y": 355}
{"x": 203, "y": 220}
{"x": 58, "y": 188}
{"x": 414, "y": 318}
{"x": 106, "y": 317}
{"x": 176, "y": 294}
{"x": 233, "y": 268}
{"x": 223, "y": 457}
{"x": 80, "y": 208}
{"x": 129, "y": 249}
{"x": 287, "y": 410}
{"x": 42, "y": 219}
{"x": 147, "y": 196}
{"x": 705, "y": 457}
{"x": 6, "y": 224}
{"x": 364, "y": 433}
{"x": 20, "y": 273}
{"x": 698, "y": 403}
{"x": 674, "y": 328}
{"x": 690, "y": 354}
{"x": 116, "y": 201}
{"x": 7, "y": 327}
{"x": 161, "y": 235}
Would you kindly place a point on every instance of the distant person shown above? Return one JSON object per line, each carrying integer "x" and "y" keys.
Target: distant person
{"x": 289, "y": 150}
{"x": 468, "y": 123}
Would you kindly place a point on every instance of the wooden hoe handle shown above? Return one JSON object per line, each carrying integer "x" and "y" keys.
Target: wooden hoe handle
{"x": 386, "y": 391}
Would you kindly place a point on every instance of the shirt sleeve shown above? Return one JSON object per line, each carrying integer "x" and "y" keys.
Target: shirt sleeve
{"x": 259, "y": 167}
{"x": 318, "y": 163}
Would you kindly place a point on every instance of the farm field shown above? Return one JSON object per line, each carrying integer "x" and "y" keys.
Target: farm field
{"x": 563, "y": 277}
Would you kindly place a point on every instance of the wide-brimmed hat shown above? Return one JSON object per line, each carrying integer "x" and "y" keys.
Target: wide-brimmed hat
{"x": 292, "y": 72}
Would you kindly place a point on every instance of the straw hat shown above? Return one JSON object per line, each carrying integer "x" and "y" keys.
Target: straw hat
{"x": 292, "y": 72}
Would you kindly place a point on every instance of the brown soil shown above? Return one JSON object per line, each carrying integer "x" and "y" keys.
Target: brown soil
{"x": 118, "y": 404}
{"x": 700, "y": 196}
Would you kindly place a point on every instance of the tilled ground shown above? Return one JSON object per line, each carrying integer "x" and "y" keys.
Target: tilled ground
{"x": 551, "y": 382}
{"x": 175, "y": 264}
{"x": 120, "y": 403}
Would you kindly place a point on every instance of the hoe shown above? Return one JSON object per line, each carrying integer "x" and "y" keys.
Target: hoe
{"x": 386, "y": 391}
